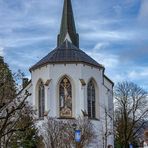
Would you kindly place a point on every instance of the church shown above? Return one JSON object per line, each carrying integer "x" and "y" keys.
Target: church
{"x": 67, "y": 81}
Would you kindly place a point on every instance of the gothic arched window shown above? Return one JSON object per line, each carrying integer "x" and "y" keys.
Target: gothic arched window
{"x": 91, "y": 100}
{"x": 65, "y": 98}
{"x": 41, "y": 101}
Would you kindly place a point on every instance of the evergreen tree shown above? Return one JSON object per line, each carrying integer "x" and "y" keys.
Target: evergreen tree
{"x": 27, "y": 136}
{"x": 17, "y": 127}
{"x": 7, "y": 84}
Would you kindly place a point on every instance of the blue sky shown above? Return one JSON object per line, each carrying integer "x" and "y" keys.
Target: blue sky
{"x": 113, "y": 32}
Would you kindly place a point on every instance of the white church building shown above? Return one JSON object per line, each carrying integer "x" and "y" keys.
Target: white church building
{"x": 67, "y": 81}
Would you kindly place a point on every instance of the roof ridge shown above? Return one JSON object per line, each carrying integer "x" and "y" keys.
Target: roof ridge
{"x": 67, "y": 54}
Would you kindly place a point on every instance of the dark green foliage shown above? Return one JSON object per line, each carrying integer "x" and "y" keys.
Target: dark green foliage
{"x": 7, "y": 84}
{"x": 26, "y": 139}
{"x": 17, "y": 127}
{"x": 26, "y": 135}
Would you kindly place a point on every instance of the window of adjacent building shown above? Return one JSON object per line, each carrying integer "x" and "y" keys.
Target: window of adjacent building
{"x": 41, "y": 103}
{"x": 65, "y": 98}
{"x": 91, "y": 100}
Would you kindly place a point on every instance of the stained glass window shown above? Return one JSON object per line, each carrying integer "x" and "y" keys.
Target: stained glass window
{"x": 65, "y": 98}
{"x": 41, "y": 103}
{"x": 91, "y": 99}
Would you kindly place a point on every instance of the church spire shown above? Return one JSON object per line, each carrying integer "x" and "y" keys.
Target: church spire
{"x": 68, "y": 29}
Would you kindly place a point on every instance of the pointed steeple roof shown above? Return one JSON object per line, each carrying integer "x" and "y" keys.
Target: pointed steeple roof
{"x": 67, "y": 50}
{"x": 68, "y": 28}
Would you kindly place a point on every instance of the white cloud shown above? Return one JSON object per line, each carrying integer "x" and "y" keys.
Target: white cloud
{"x": 102, "y": 26}
{"x": 106, "y": 59}
{"x": 109, "y": 35}
{"x": 143, "y": 14}
{"x": 1, "y": 51}
{"x": 19, "y": 65}
{"x": 138, "y": 74}
{"x": 101, "y": 45}
{"x": 95, "y": 23}
{"x": 17, "y": 42}
{"x": 118, "y": 77}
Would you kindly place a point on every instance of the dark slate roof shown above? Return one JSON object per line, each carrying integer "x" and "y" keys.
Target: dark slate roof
{"x": 66, "y": 53}
{"x": 68, "y": 25}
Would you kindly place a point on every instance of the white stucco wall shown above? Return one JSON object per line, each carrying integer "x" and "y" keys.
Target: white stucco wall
{"x": 75, "y": 72}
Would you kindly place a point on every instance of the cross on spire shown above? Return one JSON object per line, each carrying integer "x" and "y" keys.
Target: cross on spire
{"x": 68, "y": 29}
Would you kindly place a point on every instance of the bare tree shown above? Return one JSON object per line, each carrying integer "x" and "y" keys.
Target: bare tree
{"x": 108, "y": 127}
{"x": 131, "y": 111}
{"x": 61, "y": 132}
{"x": 11, "y": 114}
{"x": 107, "y": 124}
{"x": 16, "y": 115}
{"x": 87, "y": 131}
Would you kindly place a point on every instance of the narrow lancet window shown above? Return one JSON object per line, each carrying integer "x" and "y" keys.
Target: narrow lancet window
{"x": 65, "y": 98}
{"x": 41, "y": 103}
{"x": 91, "y": 100}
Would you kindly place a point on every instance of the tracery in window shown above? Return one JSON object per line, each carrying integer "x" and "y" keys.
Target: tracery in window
{"x": 91, "y": 99}
{"x": 41, "y": 102}
{"x": 65, "y": 98}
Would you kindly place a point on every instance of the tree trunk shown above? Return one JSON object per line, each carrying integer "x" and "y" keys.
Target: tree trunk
{"x": 126, "y": 145}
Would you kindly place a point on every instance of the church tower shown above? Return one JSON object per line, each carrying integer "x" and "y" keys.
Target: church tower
{"x": 68, "y": 29}
{"x": 67, "y": 50}
{"x": 67, "y": 81}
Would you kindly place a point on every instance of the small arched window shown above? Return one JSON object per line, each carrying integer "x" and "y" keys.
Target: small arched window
{"x": 65, "y": 98}
{"x": 91, "y": 100}
{"x": 41, "y": 101}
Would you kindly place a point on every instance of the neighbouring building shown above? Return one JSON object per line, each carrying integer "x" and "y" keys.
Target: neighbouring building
{"x": 67, "y": 81}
